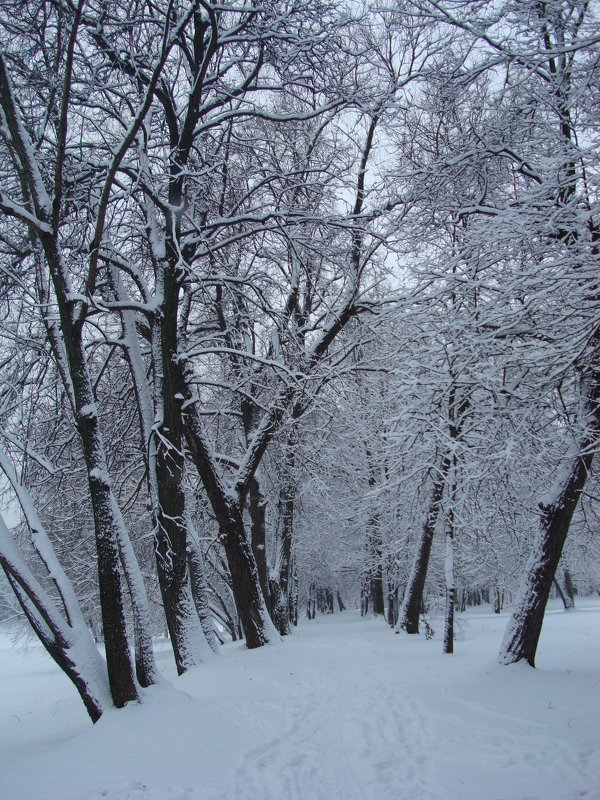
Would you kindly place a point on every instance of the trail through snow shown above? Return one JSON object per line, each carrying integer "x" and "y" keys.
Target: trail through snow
{"x": 342, "y": 710}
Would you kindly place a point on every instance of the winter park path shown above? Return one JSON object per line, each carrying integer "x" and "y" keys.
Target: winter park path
{"x": 343, "y": 710}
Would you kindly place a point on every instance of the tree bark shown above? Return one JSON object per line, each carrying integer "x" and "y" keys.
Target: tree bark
{"x": 228, "y": 509}
{"x": 244, "y": 582}
{"x": 108, "y": 522}
{"x": 257, "y": 505}
{"x": 569, "y": 592}
{"x": 524, "y": 628}
{"x": 449, "y": 572}
{"x": 199, "y": 587}
{"x": 376, "y": 580}
{"x": 171, "y": 536}
{"x": 408, "y": 618}
{"x": 281, "y": 609}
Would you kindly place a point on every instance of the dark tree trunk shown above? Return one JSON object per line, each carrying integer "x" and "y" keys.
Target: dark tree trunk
{"x": 171, "y": 536}
{"x": 199, "y": 589}
{"x": 497, "y": 602}
{"x": 569, "y": 592}
{"x": 449, "y": 569}
{"x": 245, "y": 583}
{"x": 226, "y": 618}
{"x": 392, "y": 602}
{"x": 329, "y": 601}
{"x": 377, "y": 601}
{"x": 341, "y": 605}
{"x": 364, "y": 598}
{"x": 374, "y": 558}
{"x": 118, "y": 661}
{"x": 375, "y": 561}
{"x": 408, "y": 618}
{"x": 78, "y": 387}
{"x": 449, "y": 621}
{"x": 523, "y": 632}
{"x": 560, "y": 593}
{"x": 294, "y": 600}
{"x": 257, "y": 506}
{"x": 310, "y": 608}
{"x": 281, "y": 609}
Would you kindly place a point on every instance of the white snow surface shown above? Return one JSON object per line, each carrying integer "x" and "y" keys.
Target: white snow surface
{"x": 342, "y": 710}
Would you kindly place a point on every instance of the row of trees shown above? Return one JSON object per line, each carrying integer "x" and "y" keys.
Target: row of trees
{"x": 285, "y": 288}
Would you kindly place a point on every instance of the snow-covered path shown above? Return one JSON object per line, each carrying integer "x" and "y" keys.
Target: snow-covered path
{"x": 343, "y": 709}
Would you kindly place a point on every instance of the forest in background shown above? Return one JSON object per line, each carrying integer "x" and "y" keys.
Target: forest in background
{"x": 299, "y": 307}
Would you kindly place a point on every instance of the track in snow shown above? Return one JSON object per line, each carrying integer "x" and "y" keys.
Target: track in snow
{"x": 343, "y": 709}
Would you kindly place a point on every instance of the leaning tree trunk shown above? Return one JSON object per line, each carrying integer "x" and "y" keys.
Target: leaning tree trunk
{"x": 524, "y": 628}
{"x": 408, "y": 618}
{"x": 561, "y": 594}
{"x": 66, "y": 637}
{"x": 248, "y": 595}
{"x": 199, "y": 586}
{"x": 228, "y": 509}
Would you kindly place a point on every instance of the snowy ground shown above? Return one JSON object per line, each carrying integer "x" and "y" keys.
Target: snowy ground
{"x": 343, "y": 710}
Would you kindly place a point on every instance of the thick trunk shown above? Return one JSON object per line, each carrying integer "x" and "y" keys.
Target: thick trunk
{"x": 376, "y": 568}
{"x": 183, "y": 623}
{"x": 109, "y": 528}
{"x": 523, "y": 631}
{"x": 377, "y": 601}
{"x": 189, "y": 644}
{"x": 108, "y": 522}
{"x": 244, "y": 582}
{"x": 408, "y": 618}
{"x": 329, "y": 601}
{"x": 497, "y": 600}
